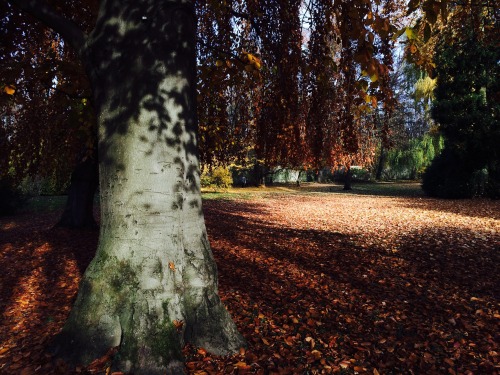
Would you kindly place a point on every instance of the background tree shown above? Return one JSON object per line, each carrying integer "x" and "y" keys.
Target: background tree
{"x": 351, "y": 85}
{"x": 298, "y": 86}
{"x": 414, "y": 140}
{"x": 48, "y": 122}
{"x": 228, "y": 83}
{"x": 466, "y": 105}
{"x": 152, "y": 285}
{"x": 280, "y": 123}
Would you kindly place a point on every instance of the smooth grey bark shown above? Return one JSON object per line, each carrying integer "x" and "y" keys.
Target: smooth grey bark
{"x": 153, "y": 267}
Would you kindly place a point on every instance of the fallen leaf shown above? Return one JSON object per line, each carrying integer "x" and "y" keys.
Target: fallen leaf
{"x": 345, "y": 364}
{"x": 314, "y": 249}
{"x": 4, "y": 350}
{"x": 242, "y": 366}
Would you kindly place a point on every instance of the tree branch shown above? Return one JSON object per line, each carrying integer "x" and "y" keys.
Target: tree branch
{"x": 69, "y": 30}
{"x": 221, "y": 51}
{"x": 247, "y": 17}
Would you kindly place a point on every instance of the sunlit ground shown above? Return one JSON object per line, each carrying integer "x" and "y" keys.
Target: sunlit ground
{"x": 317, "y": 279}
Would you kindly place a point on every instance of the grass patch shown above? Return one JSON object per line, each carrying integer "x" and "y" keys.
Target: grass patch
{"x": 247, "y": 193}
{"x": 387, "y": 189}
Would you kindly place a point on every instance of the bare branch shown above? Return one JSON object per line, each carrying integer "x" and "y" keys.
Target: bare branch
{"x": 70, "y": 32}
{"x": 221, "y": 51}
{"x": 247, "y": 17}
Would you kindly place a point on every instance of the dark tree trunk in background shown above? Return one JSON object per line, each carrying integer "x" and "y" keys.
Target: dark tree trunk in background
{"x": 493, "y": 182}
{"x": 298, "y": 178}
{"x": 258, "y": 174}
{"x": 79, "y": 211}
{"x": 348, "y": 179}
{"x": 380, "y": 164}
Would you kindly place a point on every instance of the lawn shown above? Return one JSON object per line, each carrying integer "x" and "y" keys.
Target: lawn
{"x": 378, "y": 280}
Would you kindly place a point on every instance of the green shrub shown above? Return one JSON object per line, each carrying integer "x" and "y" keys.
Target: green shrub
{"x": 205, "y": 179}
{"x": 222, "y": 178}
{"x": 411, "y": 160}
{"x": 219, "y": 178}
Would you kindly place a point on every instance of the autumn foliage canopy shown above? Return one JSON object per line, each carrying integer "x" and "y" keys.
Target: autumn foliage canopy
{"x": 291, "y": 83}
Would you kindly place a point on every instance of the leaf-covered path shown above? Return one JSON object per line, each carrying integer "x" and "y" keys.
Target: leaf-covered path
{"x": 318, "y": 282}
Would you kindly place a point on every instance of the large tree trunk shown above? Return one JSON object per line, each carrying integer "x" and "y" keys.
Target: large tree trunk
{"x": 79, "y": 211}
{"x": 153, "y": 267}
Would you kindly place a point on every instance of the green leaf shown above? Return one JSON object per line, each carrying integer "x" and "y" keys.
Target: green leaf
{"x": 410, "y": 33}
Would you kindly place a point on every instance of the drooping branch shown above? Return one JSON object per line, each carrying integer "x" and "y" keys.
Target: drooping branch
{"x": 221, "y": 51}
{"x": 247, "y": 17}
{"x": 70, "y": 31}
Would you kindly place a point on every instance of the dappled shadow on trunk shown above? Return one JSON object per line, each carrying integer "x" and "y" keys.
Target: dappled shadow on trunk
{"x": 143, "y": 73}
{"x": 153, "y": 267}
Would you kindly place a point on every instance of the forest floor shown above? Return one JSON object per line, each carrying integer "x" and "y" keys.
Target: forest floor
{"x": 378, "y": 280}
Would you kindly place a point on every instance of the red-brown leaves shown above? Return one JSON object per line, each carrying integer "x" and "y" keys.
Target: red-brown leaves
{"x": 41, "y": 268}
{"x": 330, "y": 283}
{"x": 317, "y": 283}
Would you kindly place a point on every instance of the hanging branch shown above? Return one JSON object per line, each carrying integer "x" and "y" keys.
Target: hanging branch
{"x": 69, "y": 30}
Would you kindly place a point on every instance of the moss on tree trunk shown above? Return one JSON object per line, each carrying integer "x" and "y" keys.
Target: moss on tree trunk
{"x": 153, "y": 268}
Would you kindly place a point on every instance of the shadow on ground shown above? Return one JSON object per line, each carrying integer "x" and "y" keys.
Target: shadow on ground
{"x": 306, "y": 298}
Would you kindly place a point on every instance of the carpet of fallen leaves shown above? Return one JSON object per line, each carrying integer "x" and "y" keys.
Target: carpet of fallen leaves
{"x": 317, "y": 282}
